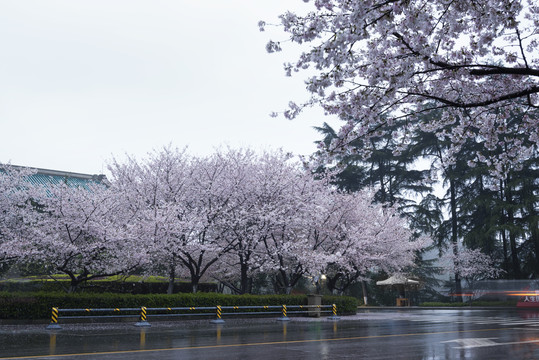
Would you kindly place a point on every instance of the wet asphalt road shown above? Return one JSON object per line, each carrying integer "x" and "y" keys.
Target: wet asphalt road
{"x": 393, "y": 334}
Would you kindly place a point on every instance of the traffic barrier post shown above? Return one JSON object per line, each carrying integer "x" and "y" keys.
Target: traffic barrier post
{"x": 218, "y": 312}
{"x": 284, "y": 317}
{"x": 334, "y": 316}
{"x": 53, "y": 325}
{"x": 142, "y": 320}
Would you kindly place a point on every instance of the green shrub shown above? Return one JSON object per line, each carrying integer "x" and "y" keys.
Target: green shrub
{"x": 38, "y": 305}
{"x": 131, "y": 285}
{"x": 346, "y": 305}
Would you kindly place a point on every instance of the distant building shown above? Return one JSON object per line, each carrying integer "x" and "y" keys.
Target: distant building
{"x": 47, "y": 176}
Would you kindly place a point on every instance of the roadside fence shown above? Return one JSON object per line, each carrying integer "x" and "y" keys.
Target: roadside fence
{"x": 218, "y": 311}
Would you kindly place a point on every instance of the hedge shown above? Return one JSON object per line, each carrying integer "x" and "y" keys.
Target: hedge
{"x": 38, "y": 305}
{"x": 103, "y": 286}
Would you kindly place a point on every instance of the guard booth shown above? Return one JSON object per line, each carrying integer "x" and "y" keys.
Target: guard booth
{"x": 401, "y": 282}
{"x": 401, "y": 301}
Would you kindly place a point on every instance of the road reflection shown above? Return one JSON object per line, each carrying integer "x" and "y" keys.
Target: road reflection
{"x": 454, "y": 334}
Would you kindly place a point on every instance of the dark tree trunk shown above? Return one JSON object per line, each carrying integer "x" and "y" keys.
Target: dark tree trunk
{"x": 503, "y": 234}
{"x": 194, "y": 284}
{"x": 535, "y": 240}
{"x": 171, "y": 279}
{"x": 512, "y": 235}
{"x": 331, "y": 282}
{"x": 244, "y": 280}
{"x": 454, "y": 237}
{"x": 364, "y": 290}
{"x": 534, "y": 235}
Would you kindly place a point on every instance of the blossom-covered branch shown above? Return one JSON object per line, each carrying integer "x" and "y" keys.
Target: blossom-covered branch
{"x": 375, "y": 61}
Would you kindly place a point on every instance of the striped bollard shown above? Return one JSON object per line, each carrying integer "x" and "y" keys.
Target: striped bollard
{"x": 334, "y": 316}
{"x": 284, "y": 317}
{"x": 142, "y": 320}
{"x": 54, "y": 320}
{"x": 218, "y": 313}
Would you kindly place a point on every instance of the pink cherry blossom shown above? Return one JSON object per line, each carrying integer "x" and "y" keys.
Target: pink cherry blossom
{"x": 372, "y": 61}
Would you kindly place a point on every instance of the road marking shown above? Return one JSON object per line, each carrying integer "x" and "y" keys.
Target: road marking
{"x": 476, "y": 320}
{"x": 484, "y": 342}
{"x": 472, "y": 342}
{"x": 247, "y": 344}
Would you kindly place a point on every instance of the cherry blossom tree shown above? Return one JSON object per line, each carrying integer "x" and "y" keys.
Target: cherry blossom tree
{"x": 213, "y": 190}
{"x": 177, "y": 205}
{"x": 247, "y": 220}
{"x": 283, "y": 222}
{"x": 15, "y": 208}
{"x": 79, "y": 231}
{"x": 378, "y": 61}
{"x": 295, "y": 209}
{"x": 368, "y": 237}
{"x": 231, "y": 215}
{"x": 471, "y": 265}
{"x": 157, "y": 192}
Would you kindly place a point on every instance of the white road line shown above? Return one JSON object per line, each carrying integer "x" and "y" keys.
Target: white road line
{"x": 484, "y": 342}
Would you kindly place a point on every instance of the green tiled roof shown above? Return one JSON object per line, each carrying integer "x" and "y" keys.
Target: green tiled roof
{"x": 47, "y": 177}
{"x": 72, "y": 179}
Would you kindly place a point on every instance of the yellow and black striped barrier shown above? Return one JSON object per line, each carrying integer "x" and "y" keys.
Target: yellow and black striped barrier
{"x": 142, "y": 312}
{"x": 284, "y": 313}
{"x": 334, "y": 311}
{"x": 142, "y": 320}
{"x": 54, "y": 320}
{"x": 218, "y": 313}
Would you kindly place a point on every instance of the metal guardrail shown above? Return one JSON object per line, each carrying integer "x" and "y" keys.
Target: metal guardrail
{"x": 142, "y": 312}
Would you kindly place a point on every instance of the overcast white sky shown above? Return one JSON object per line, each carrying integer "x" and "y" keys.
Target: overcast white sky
{"x": 81, "y": 81}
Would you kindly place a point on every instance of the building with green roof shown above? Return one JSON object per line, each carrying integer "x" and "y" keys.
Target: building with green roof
{"x": 46, "y": 177}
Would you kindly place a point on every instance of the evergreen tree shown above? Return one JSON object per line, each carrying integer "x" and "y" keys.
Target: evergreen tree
{"x": 393, "y": 177}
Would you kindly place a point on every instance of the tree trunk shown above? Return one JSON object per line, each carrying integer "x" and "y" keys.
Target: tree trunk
{"x": 505, "y": 252}
{"x": 502, "y": 232}
{"x": 288, "y": 290}
{"x": 364, "y": 290}
{"x": 534, "y": 236}
{"x": 194, "y": 271}
{"x": 171, "y": 279}
{"x": 283, "y": 283}
{"x": 244, "y": 277}
{"x": 535, "y": 241}
{"x": 73, "y": 287}
{"x": 454, "y": 236}
{"x": 331, "y": 282}
{"x": 512, "y": 236}
{"x": 75, "y": 280}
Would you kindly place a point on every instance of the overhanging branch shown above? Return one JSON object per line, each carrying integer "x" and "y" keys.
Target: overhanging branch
{"x": 511, "y": 96}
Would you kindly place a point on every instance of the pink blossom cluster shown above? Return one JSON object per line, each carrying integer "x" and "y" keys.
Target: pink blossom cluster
{"x": 79, "y": 231}
{"x": 373, "y": 61}
{"x": 470, "y": 264}
{"x": 229, "y": 216}
{"x": 236, "y": 213}
{"x": 14, "y": 205}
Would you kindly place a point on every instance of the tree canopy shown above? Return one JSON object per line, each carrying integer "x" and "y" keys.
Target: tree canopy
{"x": 229, "y": 216}
{"x": 378, "y": 61}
